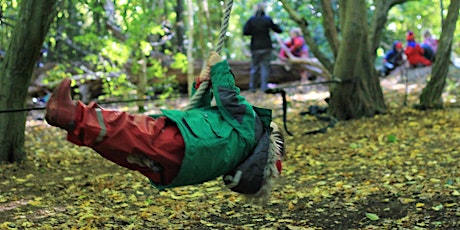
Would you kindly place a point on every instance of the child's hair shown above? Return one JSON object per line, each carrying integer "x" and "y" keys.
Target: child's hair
{"x": 426, "y": 33}
{"x": 296, "y": 31}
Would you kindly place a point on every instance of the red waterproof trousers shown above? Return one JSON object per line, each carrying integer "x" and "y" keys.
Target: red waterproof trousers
{"x": 115, "y": 135}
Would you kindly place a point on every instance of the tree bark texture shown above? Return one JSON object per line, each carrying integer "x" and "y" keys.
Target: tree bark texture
{"x": 29, "y": 33}
{"x": 180, "y": 26}
{"x": 190, "y": 56}
{"x": 359, "y": 94}
{"x": 431, "y": 96}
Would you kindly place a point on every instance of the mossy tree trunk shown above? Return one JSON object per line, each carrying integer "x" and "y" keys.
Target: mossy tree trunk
{"x": 431, "y": 96}
{"x": 29, "y": 33}
{"x": 359, "y": 94}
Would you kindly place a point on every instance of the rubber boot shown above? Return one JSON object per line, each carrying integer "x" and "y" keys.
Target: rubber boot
{"x": 60, "y": 109}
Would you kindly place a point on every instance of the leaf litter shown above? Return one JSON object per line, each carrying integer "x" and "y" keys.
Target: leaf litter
{"x": 394, "y": 171}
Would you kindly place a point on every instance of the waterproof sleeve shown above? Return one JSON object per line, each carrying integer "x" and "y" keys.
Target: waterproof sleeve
{"x": 275, "y": 27}
{"x": 419, "y": 49}
{"x": 233, "y": 107}
{"x": 247, "y": 28}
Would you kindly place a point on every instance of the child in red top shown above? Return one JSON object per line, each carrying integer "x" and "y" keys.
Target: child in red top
{"x": 414, "y": 52}
{"x": 297, "y": 47}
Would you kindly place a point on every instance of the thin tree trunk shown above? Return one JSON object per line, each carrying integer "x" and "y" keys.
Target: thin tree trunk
{"x": 180, "y": 26}
{"x": 431, "y": 96}
{"x": 141, "y": 84}
{"x": 201, "y": 37}
{"x": 330, "y": 30}
{"x": 29, "y": 33}
{"x": 190, "y": 59}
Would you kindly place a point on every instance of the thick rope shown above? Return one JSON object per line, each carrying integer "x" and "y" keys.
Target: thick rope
{"x": 220, "y": 44}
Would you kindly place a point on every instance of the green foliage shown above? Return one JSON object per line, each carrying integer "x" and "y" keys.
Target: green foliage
{"x": 180, "y": 62}
{"x": 80, "y": 32}
{"x": 58, "y": 73}
{"x": 392, "y": 138}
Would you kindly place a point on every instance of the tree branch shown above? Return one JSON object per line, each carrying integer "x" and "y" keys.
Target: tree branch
{"x": 379, "y": 19}
{"x": 111, "y": 24}
{"x": 330, "y": 30}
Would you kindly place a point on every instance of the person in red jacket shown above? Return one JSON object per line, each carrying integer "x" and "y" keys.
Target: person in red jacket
{"x": 414, "y": 52}
{"x": 297, "y": 47}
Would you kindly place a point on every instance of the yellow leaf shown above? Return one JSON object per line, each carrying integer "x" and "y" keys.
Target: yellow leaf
{"x": 68, "y": 178}
{"x": 407, "y": 200}
{"x": 450, "y": 204}
{"x": 419, "y": 205}
{"x": 291, "y": 206}
{"x": 35, "y": 203}
{"x": 20, "y": 180}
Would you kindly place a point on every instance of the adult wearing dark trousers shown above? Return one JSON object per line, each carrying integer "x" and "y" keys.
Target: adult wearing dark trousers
{"x": 258, "y": 27}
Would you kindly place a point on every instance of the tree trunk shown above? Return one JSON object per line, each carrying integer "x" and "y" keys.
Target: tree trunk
{"x": 431, "y": 96}
{"x": 29, "y": 33}
{"x": 180, "y": 26}
{"x": 142, "y": 84}
{"x": 190, "y": 59}
{"x": 359, "y": 94}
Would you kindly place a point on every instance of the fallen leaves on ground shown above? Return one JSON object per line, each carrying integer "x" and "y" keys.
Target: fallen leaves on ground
{"x": 394, "y": 171}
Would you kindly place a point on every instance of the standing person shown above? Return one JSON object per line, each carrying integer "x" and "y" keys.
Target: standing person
{"x": 414, "y": 52}
{"x": 297, "y": 47}
{"x": 393, "y": 58}
{"x": 177, "y": 147}
{"x": 258, "y": 27}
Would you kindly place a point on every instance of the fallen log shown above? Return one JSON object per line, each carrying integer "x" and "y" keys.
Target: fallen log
{"x": 278, "y": 74}
{"x": 91, "y": 84}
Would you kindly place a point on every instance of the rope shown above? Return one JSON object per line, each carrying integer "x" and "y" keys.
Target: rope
{"x": 220, "y": 44}
{"x": 150, "y": 98}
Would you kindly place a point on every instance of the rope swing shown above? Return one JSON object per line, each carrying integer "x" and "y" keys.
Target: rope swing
{"x": 220, "y": 44}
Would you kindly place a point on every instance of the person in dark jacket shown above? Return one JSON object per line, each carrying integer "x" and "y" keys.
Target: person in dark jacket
{"x": 259, "y": 27}
{"x": 393, "y": 58}
{"x": 176, "y": 147}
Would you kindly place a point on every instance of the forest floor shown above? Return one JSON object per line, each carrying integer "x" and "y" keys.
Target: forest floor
{"x": 394, "y": 171}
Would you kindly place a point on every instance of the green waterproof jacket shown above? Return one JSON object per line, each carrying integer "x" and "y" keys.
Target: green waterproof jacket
{"x": 219, "y": 137}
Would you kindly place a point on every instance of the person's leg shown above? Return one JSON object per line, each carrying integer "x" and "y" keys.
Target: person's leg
{"x": 255, "y": 70}
{"x": 265, "y": 59}
{"x": 303, "y": 76}
{"x": 427, "y": 52}
{"x": 119, "y": 135}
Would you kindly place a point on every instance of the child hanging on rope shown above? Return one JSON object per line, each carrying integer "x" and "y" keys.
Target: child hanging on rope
{"x": 177, "y": 147}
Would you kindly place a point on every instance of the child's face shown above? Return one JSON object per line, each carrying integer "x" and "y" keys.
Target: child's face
{"x": 292, "y": 34}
